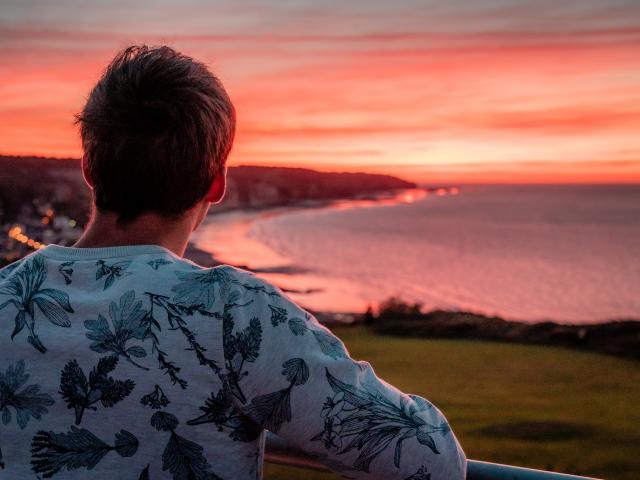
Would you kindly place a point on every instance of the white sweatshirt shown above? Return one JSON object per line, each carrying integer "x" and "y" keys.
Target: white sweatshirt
{"x": 133, "y": 363}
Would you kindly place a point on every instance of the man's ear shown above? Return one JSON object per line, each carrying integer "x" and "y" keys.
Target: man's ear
{"x": 218, "y": 187}
{"x": 85, "y": 172}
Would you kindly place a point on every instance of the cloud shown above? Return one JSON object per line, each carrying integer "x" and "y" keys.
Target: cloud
{"x": 561, "y": 120}
{"x": 313, "y": 82}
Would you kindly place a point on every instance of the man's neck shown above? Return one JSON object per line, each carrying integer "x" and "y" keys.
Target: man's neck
{"x": 148, "y": 229}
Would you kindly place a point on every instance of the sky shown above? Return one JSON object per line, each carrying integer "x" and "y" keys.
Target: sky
{"x": 434, "y": 91}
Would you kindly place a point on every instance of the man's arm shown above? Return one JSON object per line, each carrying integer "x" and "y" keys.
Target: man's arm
{"x": 292, "y": 376}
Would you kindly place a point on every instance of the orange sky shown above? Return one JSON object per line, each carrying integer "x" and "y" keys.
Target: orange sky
{"x": 436, "y": 91}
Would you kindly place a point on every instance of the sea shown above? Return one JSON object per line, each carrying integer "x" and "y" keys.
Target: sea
{"x": 564, "y": 253}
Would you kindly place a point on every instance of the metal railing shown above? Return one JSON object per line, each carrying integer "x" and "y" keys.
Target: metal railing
{"x": 279, "y": 451}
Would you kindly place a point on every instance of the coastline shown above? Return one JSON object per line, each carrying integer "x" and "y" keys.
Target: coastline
{"x": 619, "y": 337}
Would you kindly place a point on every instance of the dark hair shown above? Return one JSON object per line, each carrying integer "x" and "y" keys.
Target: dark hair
{"x": 156, "y": 129}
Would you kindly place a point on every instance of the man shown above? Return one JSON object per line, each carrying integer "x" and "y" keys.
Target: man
{"x": 119, "y": 358}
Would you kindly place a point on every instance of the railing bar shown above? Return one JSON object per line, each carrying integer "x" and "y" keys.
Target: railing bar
{"x": 478, "y": 470}
{"x": 279, "y": 451}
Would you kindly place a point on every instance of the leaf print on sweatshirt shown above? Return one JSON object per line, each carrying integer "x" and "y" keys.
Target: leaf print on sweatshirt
{"x": 221, "y": 410}
{"x": 174, "y": 314}
{"x": 78, "y": 448}
{"x": 198, "y": 288}
{"x": 150, "y": 323}
{"x": 26, "y": 402}
{"x": 111, "y": 272}
{"x": 158, "y": 262}
{"x": 238, "y": 348}
{"x": 156, "y": 399}
{"x": 272, "y": 410}
{"x": 26, "y": 290}
{"x": 278, "y": 315}
{"x": 421, "y": 474}
{"x": 127, "y": 322}
{"x": 362, "y": 419}
{"x": 80, "y": 393}
{"x": 181, "y": 457}
{"x": 258, "y": 288}
{"x": 330, "y": 345}
{"x": 144, "y": 475}
{"x": 66, "y": 271}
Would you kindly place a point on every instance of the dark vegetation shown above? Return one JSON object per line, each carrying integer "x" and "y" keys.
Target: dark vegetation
{"x": 399, "y": 318}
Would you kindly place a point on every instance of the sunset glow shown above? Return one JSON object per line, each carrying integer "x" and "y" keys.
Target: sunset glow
{"x": 532, "y": 91}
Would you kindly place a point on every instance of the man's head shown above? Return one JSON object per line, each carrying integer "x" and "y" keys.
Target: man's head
{"x": 156, "y": 132}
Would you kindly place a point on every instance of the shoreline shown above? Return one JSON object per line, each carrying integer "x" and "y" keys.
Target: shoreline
{"x": 616, "y": 337}
{"x": 208, "y": 259}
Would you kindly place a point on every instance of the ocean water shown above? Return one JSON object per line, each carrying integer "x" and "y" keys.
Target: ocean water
{"x": 564, "y": 253}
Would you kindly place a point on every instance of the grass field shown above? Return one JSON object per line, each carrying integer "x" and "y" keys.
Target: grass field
{"x": 540, "y": 407}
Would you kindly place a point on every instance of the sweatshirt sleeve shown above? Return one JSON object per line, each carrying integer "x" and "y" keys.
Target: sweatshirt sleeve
{"x": 292, "y": 376}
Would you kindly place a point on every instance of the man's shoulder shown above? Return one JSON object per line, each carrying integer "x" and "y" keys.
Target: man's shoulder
{"x": 12, "y": 267}
{"x": 8, "y": 269}
{"x": 248, "y": 282}
{"x": 206, "y": 286}
{"x": 242, "y": 287}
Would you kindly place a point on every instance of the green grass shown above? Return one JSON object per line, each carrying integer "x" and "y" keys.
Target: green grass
{"x": 539, "y": 407}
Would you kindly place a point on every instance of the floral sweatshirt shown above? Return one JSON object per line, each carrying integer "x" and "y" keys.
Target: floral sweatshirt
{"x": 134, "y": 363}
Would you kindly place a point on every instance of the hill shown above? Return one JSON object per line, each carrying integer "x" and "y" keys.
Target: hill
{"x": 59, "y": 182}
